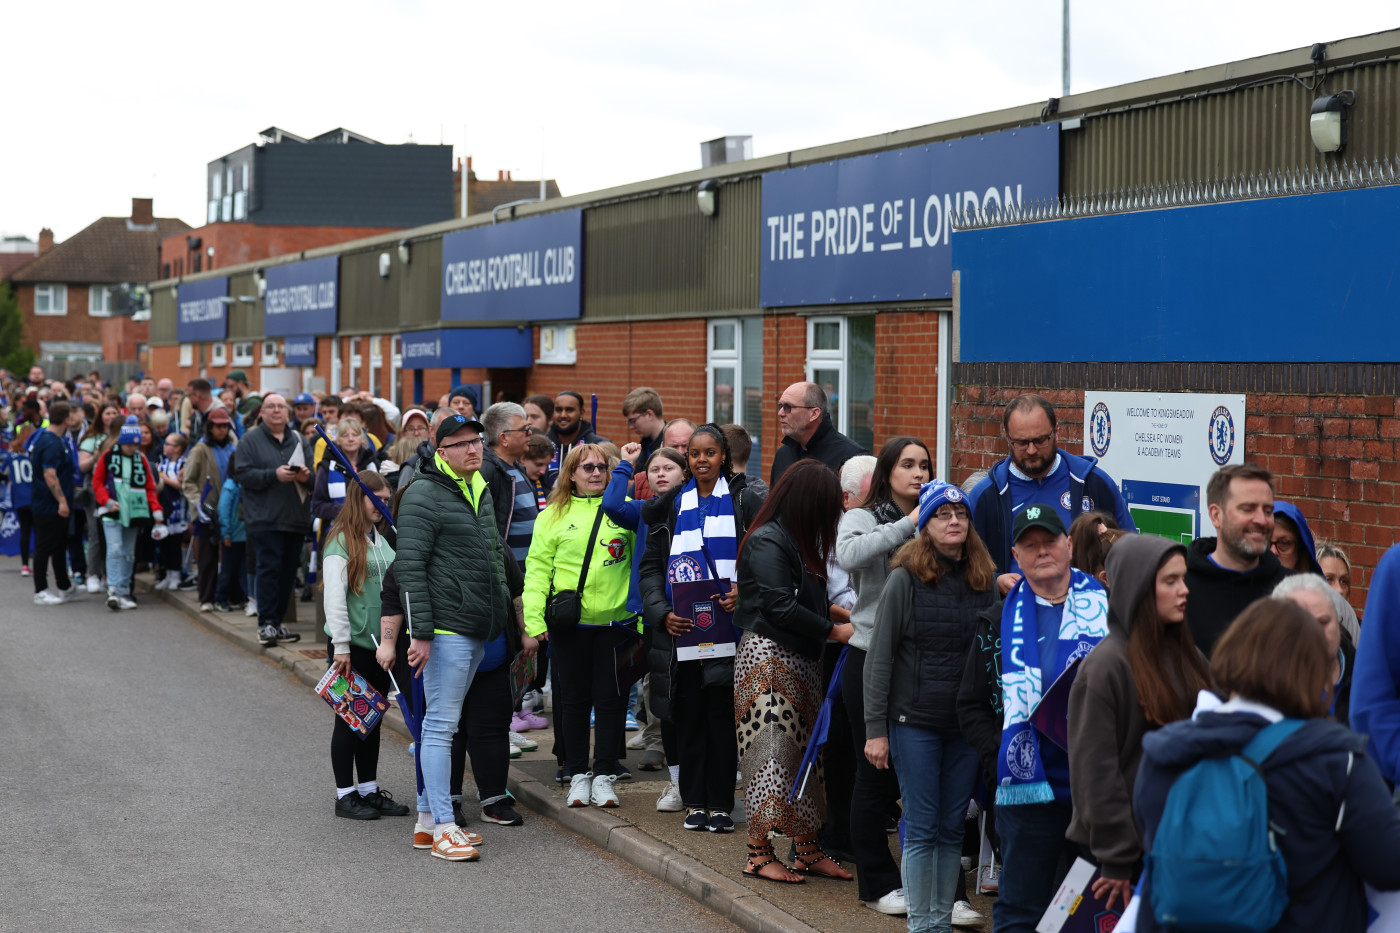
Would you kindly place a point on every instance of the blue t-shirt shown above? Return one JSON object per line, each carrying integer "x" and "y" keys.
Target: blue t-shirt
{"x": 1051, "y": 489}
{"x": 494, "y": 656}
{"x": 18, "y": 469}
{"x": 1052, "y": 757}
{"x": 50, "y": 452}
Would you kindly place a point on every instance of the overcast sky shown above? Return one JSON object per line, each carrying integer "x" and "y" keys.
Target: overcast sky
{"x": 109, "y": 101}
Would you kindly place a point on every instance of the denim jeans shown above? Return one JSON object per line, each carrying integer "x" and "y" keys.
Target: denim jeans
{"x": 1035, "y": 858}
{"x": 936, "y": 774}
{"x": 446, "y": 677}
{"x": 121, "y": 555}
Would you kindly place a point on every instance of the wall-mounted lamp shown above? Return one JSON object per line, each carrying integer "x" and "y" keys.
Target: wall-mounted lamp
{"x": 262, "y": 285}
{"x": 705, "y": 197}
{"x": 247, "y": 299}
{"x": 384, "y": 261}
{"x": 404, "y": 254}
{"x": 1328, "y": 124}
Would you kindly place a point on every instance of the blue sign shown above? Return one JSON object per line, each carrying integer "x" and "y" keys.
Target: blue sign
{"x": 302, "y": 298}
{"x": 299, "y": 351}
{"x": 878, "y": 227}
{"x": 524, "y": 270}
{"x": 201, "y": 312}
{"x": 467, "y": 347}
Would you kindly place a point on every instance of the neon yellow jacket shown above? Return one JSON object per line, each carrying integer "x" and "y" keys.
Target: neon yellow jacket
{"x": 556, "y": 556}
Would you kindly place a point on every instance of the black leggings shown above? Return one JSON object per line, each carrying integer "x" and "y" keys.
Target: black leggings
{"x": 873, "y": 796}
{"x": 484, "y": 732}
{"x": 585, "y": 678}
{"x": 350, "y": 754}
{"x": 705, "y": 739}
{"x": 26, "y": 529}
{"x": 50, "y": 545}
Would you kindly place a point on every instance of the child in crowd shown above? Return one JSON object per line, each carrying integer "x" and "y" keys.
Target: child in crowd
{"x": 538, "y": 454}
{"x": 170, "y": 474}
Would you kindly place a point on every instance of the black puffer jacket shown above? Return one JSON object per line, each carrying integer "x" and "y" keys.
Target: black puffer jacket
{"x": 980, "y": 700}
{"x": 778, "y": 598}
{"x": 918, "y": 651}
{"x": 660, "y": 517}
{"x": 450, "y": 562}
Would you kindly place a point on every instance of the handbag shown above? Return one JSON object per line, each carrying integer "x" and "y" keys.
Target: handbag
{"x": 564, "y": 609}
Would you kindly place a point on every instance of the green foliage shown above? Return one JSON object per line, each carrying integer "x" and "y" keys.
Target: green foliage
{"x": 13, "y": 355}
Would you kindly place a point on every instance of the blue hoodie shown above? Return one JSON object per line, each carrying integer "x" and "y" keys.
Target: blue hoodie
{"x": 1308, "y": 561}
{"x": 1375, "y": 680}
{"x": 627, "y": 513}
{"x": 1338, "y": 827}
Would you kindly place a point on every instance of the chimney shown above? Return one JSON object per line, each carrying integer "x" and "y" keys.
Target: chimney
{"x": 500, "y": 174}
{"x": 142, "y": 212}
{"x": 45, "y": 240}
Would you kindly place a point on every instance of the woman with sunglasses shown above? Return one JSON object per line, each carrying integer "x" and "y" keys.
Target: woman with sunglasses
{"x": 576, "y": 549}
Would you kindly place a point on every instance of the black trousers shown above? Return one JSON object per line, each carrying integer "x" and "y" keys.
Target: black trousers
{"x": 50, "y": 545}
{"x": 278, "y": 557}
{"x": 706, "y": 742}
{"x": 483, "y": 732}
{"x": 838, "y": 767}
{"x": 232, "y": 575}
{"x": 585, "y": 678}
{"x": 873, "y": 796}
{"x": 77, "y": 546}
{"x": 350, "y": 754}
{"x": 26, "y": 528}
{"x": 171, "y": 553}
{"x": 207, "y": 564}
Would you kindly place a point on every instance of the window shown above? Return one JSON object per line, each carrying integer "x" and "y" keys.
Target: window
{"x": 215, "y": 195}
{"x": 243, "y": 354}
{"x": 186, "y": 355}
{"x": 841, "y": 359}
{"x": 51, "y": 299}
{"x": 99, "y": 301}
{"x": 269, "y": 353}
{"x": 355, "y": 362}
{"x": 165, "y": 270}
{"x": 735, "y": 378}
{"x": 218, "y": 354}
{"x": 198, "y": 261}
{"x": 558, "y": 344}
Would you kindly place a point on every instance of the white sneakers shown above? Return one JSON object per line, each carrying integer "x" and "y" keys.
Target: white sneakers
{"x": 455, "y": 846}
{"x": 580, "y": 788}
{"x": 670, "y": 800}
{"x": 94, "y": 583}
{"x": 48, "y": 598}
{"x": 251, "y": 610}
{"x": 965, "y": 916}
{"x": 171, "y": 581}
{"x": 636, "y": 742}
{"x": 603, "y": 793}
{"x": 523, "y": 742}
{"x": 892, "y": 904}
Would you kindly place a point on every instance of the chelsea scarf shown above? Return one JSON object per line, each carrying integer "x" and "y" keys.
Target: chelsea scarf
{"x": 1083, "y": 624}
{"x": 704, "y": 544}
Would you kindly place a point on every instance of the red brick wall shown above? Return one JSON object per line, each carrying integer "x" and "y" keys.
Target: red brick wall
{"x": 906, "y": 377}
{"x": 77, "y": 324}
{"x": 236, "y": 243}
{"x": 121, "y": 336}
{"x": 1345, "y": 480}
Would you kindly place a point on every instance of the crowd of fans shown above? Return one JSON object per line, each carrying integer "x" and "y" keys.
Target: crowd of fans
{"x": 508, "y": 561}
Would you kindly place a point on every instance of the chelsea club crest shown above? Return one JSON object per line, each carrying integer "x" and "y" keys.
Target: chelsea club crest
{"x": 1221, "y": 435}
{"x": 1100, "y": 430}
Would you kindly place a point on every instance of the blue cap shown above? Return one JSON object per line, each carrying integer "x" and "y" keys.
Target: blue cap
{"x": 305, "y": 398}
{"x": 130, "y": 432}
{"x": 937, "y": 493}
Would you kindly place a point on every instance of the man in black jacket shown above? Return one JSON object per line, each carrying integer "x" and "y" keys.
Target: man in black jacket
{"x": 569, "y": 428}
{"x": 805, "y": 418}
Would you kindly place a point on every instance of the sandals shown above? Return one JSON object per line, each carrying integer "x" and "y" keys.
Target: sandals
{"x": 809, "y": 854}
{"x": 760, "y": 852}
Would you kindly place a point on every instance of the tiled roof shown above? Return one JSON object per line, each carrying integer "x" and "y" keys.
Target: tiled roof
{"x": 107, "y": 250}
{"x": 485, "y": 195}
{"x": 9, "y": 262}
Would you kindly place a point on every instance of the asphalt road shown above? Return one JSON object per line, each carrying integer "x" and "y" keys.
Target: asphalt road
{"x": 154, "y": 777}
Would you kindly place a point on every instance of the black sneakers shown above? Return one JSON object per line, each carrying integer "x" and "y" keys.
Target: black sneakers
{"x": 354, "y": 807}
{"x": 696, "y": 819}
{"x": 501, "y": 812}
{"x": 719, "y": 822}
{"x": 384, "y": 803}
{"x": 267, "y": 635}
{"x": 284, "y": 635}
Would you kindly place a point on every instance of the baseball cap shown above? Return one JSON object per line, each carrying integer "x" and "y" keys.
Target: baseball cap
{"x": 305, "y": 398}
{"x": 238, "y": 375}
{"x": 1038, "y": 515}
{"x": 219, "y": 416}
{"x": 454, "y": 423}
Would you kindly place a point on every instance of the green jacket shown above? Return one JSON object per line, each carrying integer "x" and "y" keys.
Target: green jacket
{"x": 353, "y": 618}
{"x": 556, "y": 560}
{"x": 450, "y": 564}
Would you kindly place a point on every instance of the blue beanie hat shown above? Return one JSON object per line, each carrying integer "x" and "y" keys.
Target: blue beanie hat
{"x": 934, "y": 494}
{"x": 469, "y": 393}
{"x": 131, "y": 432}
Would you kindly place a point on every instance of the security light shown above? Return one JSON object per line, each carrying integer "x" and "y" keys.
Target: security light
{"x": 705, "y": 197}
{"x": 403, "y": 252}
{"x": 1328, "y": 124}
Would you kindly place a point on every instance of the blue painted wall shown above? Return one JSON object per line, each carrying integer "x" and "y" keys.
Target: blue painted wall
{"x": 1314, "y": 278}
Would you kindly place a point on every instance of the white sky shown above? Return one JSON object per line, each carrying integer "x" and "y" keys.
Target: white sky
{"x": 109, "y": 101}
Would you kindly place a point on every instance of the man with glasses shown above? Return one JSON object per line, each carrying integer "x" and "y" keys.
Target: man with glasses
{"x": 507, "y": 436}
{"x": 271, "y": 468}
{"x": 1038, "y": 470}
{"x": 805, "y": 419}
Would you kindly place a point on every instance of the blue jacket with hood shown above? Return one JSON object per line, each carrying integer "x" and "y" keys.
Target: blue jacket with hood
{"x": 1308, "y": 561}
{"x": 1375, "y": 681}
{"x": 991, "y": 502}
{"x": 1339, "y": 826}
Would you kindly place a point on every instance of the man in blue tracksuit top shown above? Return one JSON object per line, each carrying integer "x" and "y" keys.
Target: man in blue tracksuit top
{"x": 1375, "y": 684}
{"x": 1037, "y": 470}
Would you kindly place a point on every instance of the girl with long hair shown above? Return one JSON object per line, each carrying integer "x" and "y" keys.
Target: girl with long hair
{"x": 1144, "y": 674}
{"x": 101, "y": 436}
{"x": 784, "y": 614}
{"x": 938, "y": 584}
{"x": 358, "y": 553}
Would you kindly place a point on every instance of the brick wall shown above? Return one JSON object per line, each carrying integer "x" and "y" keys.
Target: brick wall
{"x": 906, "y": 377}
{"x": 121, "y": 337}
{"x": 236, "y": 243}
{"x": 1333, "y": 456}
{"x": 77, "y": 324}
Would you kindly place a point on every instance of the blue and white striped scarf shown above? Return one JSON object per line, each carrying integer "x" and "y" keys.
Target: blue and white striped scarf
{"x": 1083, "y": 624}
{"x": 704, "y": 544}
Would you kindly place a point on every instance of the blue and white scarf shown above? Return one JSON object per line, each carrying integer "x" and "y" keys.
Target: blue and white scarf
{"x": 1083, "y": 624}
{"x": 704, "y": 544}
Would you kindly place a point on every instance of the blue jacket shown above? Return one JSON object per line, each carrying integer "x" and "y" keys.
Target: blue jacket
{"x": 628, "y": 514}
{"x": 1090, "y": 489}
{"x": 1308, "y": 560}
{"x": 231, "y": 524}
{"x": 1319, "y": 776}
{"x": 1375, "y": 680}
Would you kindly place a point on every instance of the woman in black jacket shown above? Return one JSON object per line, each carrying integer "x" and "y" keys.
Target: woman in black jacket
{"x": 697, "y": 696}
{"x": 783, "y": 612}
{"x": 937, "y": 584}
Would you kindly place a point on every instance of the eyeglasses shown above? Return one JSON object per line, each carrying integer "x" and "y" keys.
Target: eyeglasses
{"x": 1283, "y": 545}
{"x": 471, "y": 443}
{"x": 947, "y": 515}
{"x": 1037, "y": 442}
{"x": 528, "y": 430}
{"x": 593, "y": 467}
{"x": 784, "y": 408}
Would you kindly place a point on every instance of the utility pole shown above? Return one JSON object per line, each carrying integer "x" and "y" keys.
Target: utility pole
{"x": 466, "y": 167}
{"x": 1064, "y": 52}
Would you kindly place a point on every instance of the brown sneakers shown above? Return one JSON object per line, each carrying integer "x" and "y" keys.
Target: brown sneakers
{"x": 455, "y": 846}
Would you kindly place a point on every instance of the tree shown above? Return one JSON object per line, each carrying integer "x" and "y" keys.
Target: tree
{"x": 15, "y": 357}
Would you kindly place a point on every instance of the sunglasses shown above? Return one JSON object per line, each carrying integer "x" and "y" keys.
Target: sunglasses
{"x": 593, "y": 467}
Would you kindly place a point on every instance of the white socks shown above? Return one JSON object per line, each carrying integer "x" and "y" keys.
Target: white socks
{"x": 344, "y": 792}
{"x": 675, "y": 774}
{"x": 368, "y": 787}
{"x": 440, "y": 828}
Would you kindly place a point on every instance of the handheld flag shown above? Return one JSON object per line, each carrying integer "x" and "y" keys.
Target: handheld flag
{"x": 819, "y": 730}
{"x": 350, "y": 468}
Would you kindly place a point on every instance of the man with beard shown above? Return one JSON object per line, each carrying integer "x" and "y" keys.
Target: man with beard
{"x": 570, "y": 427}
{"x": 1228, "y": 572}
{"x": 1037, "y": 470}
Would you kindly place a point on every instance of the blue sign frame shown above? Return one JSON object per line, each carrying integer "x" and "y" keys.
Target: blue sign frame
{"x": 299, "y": 351}
{"x": 200, "y": 312}
{"x": 302, "y": 298}
{"x": 524, "y": 270}
{"x": 467, "y": 348}
{"x": 879, "y": 227}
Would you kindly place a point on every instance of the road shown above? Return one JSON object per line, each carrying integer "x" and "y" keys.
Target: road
{"x": 155, "y": 777}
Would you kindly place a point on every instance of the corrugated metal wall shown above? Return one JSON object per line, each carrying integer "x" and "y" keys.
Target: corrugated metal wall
{"x": 1254, "y": 129}
{"x": 245, "y": 319}
{"x": 661, "y": 256}
{"x": 163, "y": 317}
{"x": 410, "y": 297}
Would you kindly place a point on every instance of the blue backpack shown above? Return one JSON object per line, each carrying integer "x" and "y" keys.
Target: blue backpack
{"x": 1214, "y": 865}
